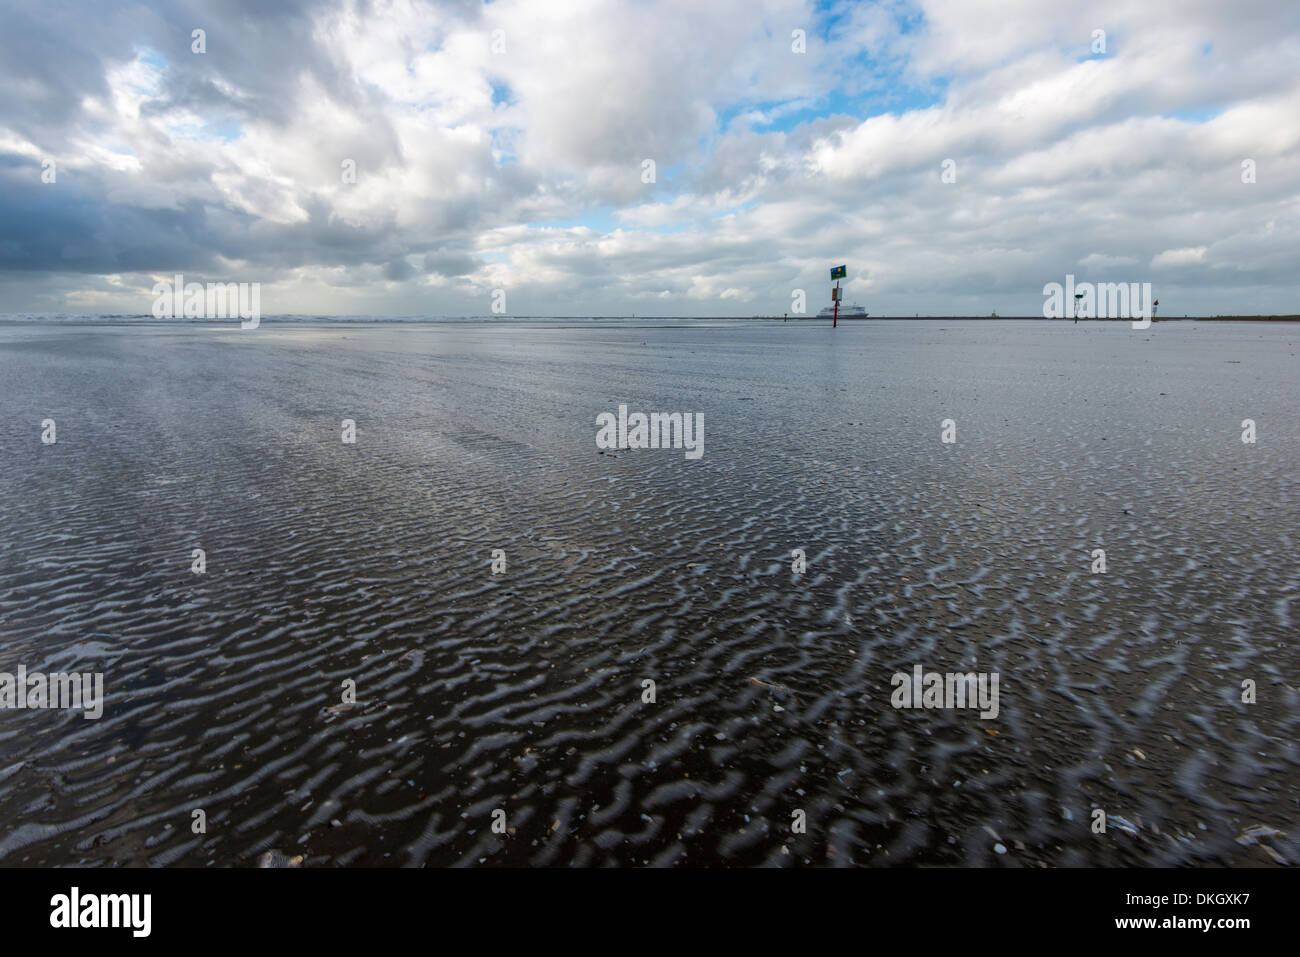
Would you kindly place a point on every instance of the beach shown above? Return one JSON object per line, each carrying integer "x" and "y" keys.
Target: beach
{"x": 519, "y": 685}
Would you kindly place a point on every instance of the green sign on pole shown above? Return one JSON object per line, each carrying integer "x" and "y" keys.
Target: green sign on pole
{"x": 839, "y": 272}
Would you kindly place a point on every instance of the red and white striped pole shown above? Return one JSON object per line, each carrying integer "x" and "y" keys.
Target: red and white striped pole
{"x": 835, "y": 319}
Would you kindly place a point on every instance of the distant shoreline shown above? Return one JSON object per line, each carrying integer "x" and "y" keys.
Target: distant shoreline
{"x": 1157, "y": 319}
{"x": 63, "y": 318}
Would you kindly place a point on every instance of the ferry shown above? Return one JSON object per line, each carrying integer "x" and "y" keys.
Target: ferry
{"x": 851, "y": 311}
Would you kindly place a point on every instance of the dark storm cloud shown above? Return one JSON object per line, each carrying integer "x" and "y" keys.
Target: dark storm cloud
{"x": 65, "y": 227}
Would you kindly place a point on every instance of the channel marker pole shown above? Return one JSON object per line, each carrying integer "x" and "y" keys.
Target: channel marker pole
{"x": 837, "y": 273}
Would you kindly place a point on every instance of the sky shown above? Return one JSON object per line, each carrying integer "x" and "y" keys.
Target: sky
{"x": 694, "y": 158}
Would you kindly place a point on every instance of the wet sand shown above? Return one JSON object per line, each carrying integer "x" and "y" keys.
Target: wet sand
{"x": 522, "y": 691}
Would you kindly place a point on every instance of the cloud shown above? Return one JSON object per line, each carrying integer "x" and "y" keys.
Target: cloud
{"x": 502, "y": 146}
{"x": 1102, "y": 261}
{"x": 1187, "y": 256}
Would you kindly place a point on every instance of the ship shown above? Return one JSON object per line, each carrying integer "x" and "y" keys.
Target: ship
{"x": 851, "y": 311}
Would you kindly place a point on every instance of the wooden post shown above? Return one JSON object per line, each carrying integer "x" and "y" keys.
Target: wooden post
{"x": 835, "y": 320}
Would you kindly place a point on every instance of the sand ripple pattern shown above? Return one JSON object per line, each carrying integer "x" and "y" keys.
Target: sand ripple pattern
{"x": 523, "y": 691}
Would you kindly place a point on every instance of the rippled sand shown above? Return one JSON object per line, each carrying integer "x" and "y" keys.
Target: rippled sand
{"x": 523, "y": 691}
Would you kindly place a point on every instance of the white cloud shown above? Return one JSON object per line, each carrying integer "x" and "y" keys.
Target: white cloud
{"x": 1187, "y": 256}
{"x": 1102, "y": 261}
{"x": 771, "y": 165}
